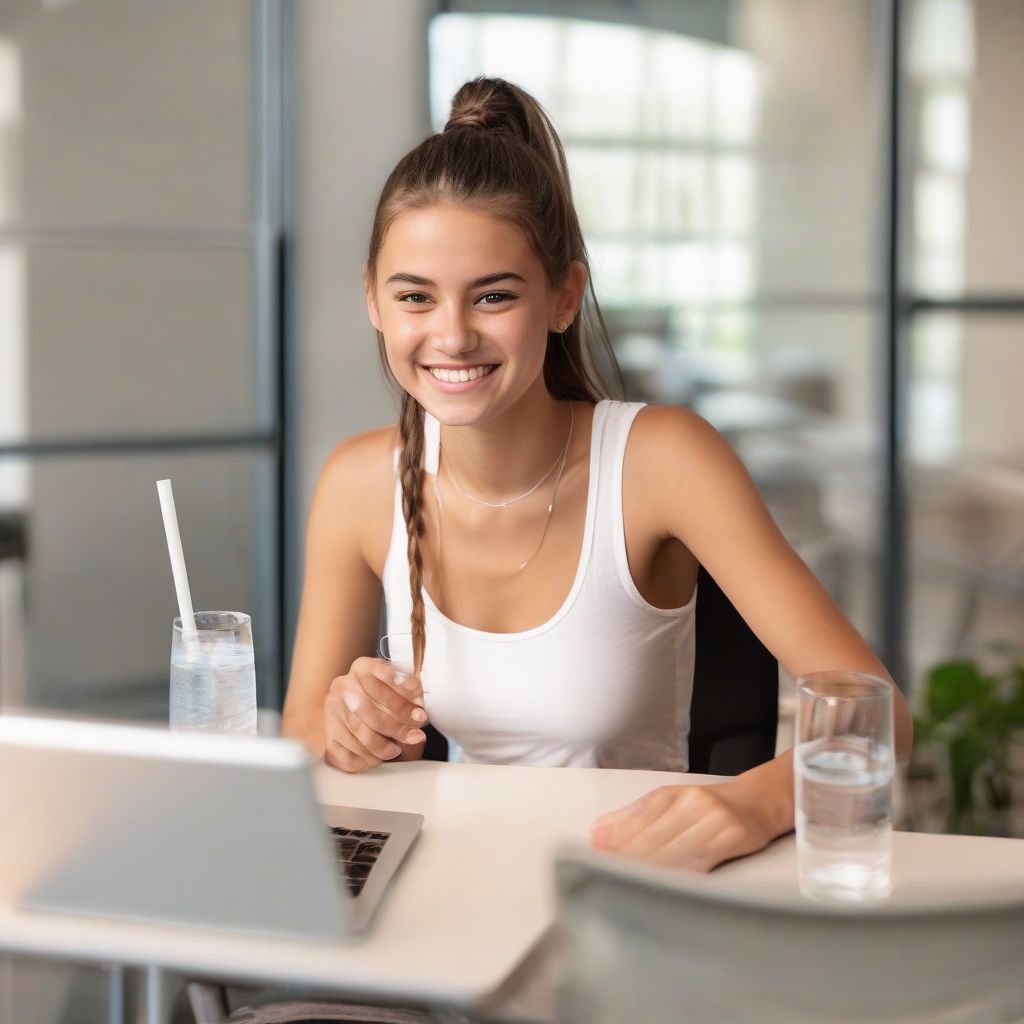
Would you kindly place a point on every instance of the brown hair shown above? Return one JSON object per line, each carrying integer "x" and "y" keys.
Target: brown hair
{"x": 498, "y": 151}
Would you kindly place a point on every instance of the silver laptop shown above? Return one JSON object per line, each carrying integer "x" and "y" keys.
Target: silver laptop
{"x": 188, "y": 828}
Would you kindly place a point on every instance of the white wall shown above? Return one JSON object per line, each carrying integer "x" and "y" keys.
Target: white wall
{"x": 362, "y": 101}
{"x": 820, "y": 179}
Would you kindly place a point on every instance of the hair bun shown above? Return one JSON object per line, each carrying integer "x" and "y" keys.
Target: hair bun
{"x": 490, "y": 103}
{"x": 469, "y": 117}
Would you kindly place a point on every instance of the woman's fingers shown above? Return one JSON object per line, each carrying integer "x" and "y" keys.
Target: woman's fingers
{"x": 339, "y": 756}
{"x": 612, "y": 830}
{"x": 680, "y": 839}
{"x": 401, "y": 701}
{"x": 375, "y": 742}
{"x": 369, "y": 715}
{"x": 380, "y": 719}
{"x": 695, "y": 827}
{"x": 349, "y": 726}
{"x": 345, "y": 751}
{"x": 704, "y": 845}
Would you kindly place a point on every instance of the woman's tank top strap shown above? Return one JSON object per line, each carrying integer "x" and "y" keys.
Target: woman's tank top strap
{"x": 616, "y": 421}
{"x": 431, "y": 443}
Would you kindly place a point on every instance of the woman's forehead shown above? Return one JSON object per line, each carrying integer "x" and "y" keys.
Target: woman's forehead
{"x": 454, "y": 244}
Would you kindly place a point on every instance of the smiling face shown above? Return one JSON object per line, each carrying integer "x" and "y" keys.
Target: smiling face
{"x": 465, "y": 309}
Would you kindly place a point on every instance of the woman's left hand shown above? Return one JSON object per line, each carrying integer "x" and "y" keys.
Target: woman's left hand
{"x": 693, "y": 827}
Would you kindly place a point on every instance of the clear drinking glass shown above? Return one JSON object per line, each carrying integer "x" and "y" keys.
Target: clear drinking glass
{"x": 397, "y": 648}
{"x": 213, "y": 676}
{"x": 843, "y": 776}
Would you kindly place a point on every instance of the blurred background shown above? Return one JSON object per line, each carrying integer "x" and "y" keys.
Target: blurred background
{"x": 806, "y": 219}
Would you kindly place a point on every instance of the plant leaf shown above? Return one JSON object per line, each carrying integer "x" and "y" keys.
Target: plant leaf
{"x": 952, "y": 686}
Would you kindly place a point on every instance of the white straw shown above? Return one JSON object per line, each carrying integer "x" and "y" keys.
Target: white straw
{"x": 188, "y": 621}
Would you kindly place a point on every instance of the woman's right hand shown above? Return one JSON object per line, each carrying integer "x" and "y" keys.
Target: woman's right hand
{"x": 373, "y": 714}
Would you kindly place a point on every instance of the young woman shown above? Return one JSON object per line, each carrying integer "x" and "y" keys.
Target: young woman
{"x": 538, "y": 541}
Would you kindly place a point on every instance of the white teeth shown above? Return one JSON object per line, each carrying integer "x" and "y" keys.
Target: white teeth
{"x": 460, "y": 376}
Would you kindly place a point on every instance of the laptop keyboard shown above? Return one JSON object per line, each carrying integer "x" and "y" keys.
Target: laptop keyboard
{"x": 357, "y": 852}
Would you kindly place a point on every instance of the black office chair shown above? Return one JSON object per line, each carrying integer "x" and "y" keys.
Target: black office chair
{"x": 734, "y": 710}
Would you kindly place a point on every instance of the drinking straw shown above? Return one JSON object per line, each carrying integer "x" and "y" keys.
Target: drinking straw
{"x": 188, "y": 620}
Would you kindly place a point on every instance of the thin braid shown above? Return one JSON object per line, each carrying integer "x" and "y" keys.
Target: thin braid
{"x": 411, "y": 469}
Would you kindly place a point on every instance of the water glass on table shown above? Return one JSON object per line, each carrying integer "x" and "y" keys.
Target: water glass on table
{"x": 843, "y": 771}
{"x": 213, "y": 675}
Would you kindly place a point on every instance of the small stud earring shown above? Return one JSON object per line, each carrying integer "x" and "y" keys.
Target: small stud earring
{"x": 562, "y": 327}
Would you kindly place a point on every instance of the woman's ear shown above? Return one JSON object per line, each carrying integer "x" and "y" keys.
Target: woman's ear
{"x": 371, "y": 298}
{"x": 569, "y": 297}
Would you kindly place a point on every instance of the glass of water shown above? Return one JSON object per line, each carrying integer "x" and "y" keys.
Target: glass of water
{"x": 843, "y": 773}
{"x": 397, "y": 648}
{"x": 213, "y": 677}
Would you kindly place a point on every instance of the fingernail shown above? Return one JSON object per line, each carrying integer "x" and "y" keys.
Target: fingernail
{"x": 419, "y": 716}
{"x": 600, "y": 835}
{"x": 401, "y": 678}
{"x": 415, "y": 737}
{"x": 351, "y": 702}
{"x": 393, "y": 751}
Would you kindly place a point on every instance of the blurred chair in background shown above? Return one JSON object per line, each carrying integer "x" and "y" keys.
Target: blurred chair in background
{"x": 661, "y": 946}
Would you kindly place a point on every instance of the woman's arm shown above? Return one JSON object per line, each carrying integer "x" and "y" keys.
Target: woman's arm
{"x": 694, "y": 488}
{"x": 341, "y": 593}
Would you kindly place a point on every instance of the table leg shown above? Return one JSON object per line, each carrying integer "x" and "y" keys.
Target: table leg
{"x": 116, "y": 1002}
{"x": 155, "y": 1000}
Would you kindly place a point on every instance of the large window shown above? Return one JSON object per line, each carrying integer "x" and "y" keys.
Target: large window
{"x": 658, "y": 131}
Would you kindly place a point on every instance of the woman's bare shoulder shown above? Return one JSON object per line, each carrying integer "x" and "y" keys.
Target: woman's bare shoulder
{"x": 671, "y": 432}
{"x": 354, "y": 494}
{"x": 366, "y": 458}
{"x": 673, "y": 455}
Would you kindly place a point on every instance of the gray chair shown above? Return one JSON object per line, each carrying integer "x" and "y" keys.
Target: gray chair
{"x": 663, "y": 947}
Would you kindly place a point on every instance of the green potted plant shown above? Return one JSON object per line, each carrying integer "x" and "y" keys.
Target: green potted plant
{"x": 964, "y": 721}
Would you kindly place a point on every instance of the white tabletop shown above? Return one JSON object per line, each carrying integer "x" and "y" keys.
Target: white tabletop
{"x": 476, "y": 892}
{"x": 473, "y": 896}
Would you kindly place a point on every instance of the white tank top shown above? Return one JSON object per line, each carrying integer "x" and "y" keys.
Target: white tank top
{"x": 605, "y": 682}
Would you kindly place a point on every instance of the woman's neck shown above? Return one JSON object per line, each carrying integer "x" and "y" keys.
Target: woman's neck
{"x": 506, "y": 455}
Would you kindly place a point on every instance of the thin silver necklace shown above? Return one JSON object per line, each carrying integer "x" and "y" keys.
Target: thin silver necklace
{"x": 551, "y": 505}
{"x": 511, "y": 501}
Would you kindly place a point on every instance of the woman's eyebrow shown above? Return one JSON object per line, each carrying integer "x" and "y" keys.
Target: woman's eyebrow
{"x": 480, "y": 282}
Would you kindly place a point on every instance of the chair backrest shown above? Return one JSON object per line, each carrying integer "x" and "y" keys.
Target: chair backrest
{"x": 734, "y": 712}
{"x": 652, "y": 945}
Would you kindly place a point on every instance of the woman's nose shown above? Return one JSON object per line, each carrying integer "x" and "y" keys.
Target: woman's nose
{"x": 455, "y": 334}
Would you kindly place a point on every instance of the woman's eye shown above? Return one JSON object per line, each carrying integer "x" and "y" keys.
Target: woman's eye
{"x": 417, "y": 298}
{"x": 492, "y": 298}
